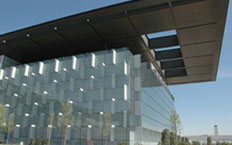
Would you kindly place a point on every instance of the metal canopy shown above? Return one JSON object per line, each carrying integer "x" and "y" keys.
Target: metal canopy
{"x": 199, "y": 25}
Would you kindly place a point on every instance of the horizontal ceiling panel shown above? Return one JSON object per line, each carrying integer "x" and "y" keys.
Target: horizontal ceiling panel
{"x": 136, "y": 44}
{"x": 198, "y": 13}
{"x": 12, "y": 53}
{"x": 85, "y": 38}
{"x": 198, "y": 61}
{"x": 115, "y": 29}
{"x": 153, "y": 21}
{"x": 198, "y": 49}
{"x": 27, "y": 46}
{"x": 199, "y": 70}
{"x": 52, "y": 42}
{"x": 177, "y": 80}
{"x": 197, "y": 34}
{"x": 197, "y": 78}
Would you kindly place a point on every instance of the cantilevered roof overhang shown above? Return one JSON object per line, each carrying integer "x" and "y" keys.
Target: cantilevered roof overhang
{"x": 199, "y": 26}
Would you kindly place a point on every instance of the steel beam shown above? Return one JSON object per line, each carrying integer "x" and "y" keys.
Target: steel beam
{"x": 175, "y": 72}
{"x": 168, "y": 54}
{"x": 162, "y": 42}
{"x": 172, "y": 64}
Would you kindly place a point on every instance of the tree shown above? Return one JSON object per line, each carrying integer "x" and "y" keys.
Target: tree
{"x": 209, "y": 140}
{"x": 175, "y": 122}
{"x": 183, "y": 141}
{"x": 31, "y": 142}
{"x": 37, "y": 141}
{"x": 2, "y": 116}
{"x": 165, "y": 137}
{"x": 107, "y": 128}
{"x": 50, "y": 126}
{"x": 178, "y": 138}
{"x": 67, "y": 118}
{"x": 138, "y": 143}
{"x": 10, "y": 125}
{"x": 225, "y": 143}
{"x": 6, "y": 125}
{"x": 186, "y": 140}
{"x": 122, "y": 143}
{"x": 44, "y": 142}
{"x": 196, "y": 143}
{"x": 173, "y": 139}
{"x": 2, "y": 119}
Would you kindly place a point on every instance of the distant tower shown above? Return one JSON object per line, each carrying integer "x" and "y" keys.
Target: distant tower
{"x": 215, "y": 130}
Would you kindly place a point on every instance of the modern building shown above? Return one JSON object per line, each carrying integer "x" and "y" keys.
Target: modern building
{"x": 113, "y": 65}
{"x": 111, "y": 83}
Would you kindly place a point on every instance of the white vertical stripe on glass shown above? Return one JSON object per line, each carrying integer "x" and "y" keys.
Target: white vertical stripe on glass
{"x": 27, "y": 68}
{"x": 41, "y": 67}
{"x": 13, "y": 72}
{"x": 114, "y": 56}
{"x": 57, "y": 65}
{"x": 93, "y": 60}
{"x": 1, "y": 74}
{"x": 125, "y": 91}
{"x": 125, "y": 68}
{"x": 74, "y": 62}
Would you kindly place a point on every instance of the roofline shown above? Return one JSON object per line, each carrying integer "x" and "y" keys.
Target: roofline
{"x": 63, "y": 18}
{"x": 223, "y": 18}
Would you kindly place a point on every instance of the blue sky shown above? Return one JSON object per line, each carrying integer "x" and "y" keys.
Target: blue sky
{"x": 200, "y": 105}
